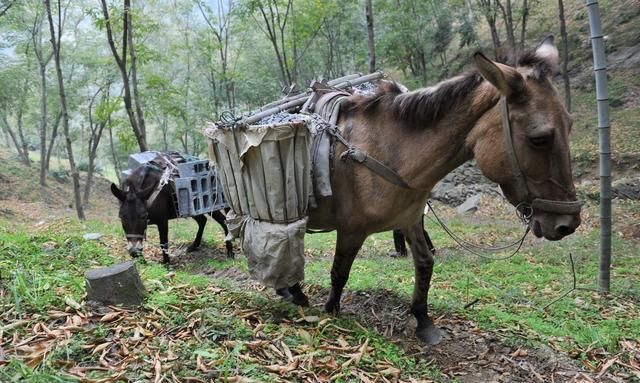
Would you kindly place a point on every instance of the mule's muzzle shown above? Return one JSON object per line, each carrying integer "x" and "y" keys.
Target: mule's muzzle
{"x": 554, "y": 227}
{"x": 134, "y": 246}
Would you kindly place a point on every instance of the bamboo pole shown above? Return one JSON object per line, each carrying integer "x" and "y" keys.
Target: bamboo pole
{"x": 604, "y": 132}
{"x": 344, "y": 78}
{"x": 299, "y": 100}
{"x": 307, "y": 93}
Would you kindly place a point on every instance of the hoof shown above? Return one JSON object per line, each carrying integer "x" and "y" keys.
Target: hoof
{"x": 192, "y": 248}
{"x": 332, "y": 307}
{"x": 397, "y": 255}
{"x": 230, "y": 255}
{"x": 285, "y": 294}
{"x": 298, "y": 297}
{"x": 300, "y": 301}
{"x": 430, "y": 335}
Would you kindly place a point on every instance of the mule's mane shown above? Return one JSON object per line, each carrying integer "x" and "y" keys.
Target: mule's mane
{"x": 429, "y": 105}
{"x": 426, "y": 105}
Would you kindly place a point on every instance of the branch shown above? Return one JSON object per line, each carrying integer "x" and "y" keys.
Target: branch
{"x": 6, "y": 8}
{"x": 313, "y": 37}
{"x": 206, "y": 18}
{"x": 112, "y": 45}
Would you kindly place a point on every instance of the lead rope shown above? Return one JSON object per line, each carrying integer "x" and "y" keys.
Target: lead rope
{"x": 472, "y": 247}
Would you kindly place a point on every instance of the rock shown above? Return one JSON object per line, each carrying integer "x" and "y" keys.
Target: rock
{"x": 628, "y": 188}
{"x": 470, "y": 205}
{"x": 48, "y": 247}
{"x": 625, "y": 58}
{"x": 464, "y": 182}
{"x": 92, "y": 236}
{"x": 115, "y": 285}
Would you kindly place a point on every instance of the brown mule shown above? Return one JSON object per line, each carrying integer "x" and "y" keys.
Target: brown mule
{"x": 425, "y": 134}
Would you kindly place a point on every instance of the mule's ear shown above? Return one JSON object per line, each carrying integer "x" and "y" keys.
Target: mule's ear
{"x": 117, "y": 192}
{"x": 507, "y": 79}
{"x": 548, "y": 51}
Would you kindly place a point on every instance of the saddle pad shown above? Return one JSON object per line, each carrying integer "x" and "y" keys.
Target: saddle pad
{"x": 327, "y": 107}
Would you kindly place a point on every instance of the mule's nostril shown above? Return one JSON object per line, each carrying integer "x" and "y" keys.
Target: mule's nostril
{"x": 564, "y": 230}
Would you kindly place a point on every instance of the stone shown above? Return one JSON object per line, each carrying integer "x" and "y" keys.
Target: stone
{"x": 626, "y": 188}
{"x": 470, "y": 205}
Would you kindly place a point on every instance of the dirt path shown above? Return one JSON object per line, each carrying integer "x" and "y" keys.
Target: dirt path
{"x": 467, "y": 354}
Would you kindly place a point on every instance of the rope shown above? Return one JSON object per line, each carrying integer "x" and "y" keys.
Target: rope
{"x": 228, "y": 118}
{"x": 472, "y": 247}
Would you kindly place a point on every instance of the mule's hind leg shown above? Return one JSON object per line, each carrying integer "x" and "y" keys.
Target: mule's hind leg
{"x": 202, "y": 222}
{"x": 298, "y": 297}
{"x": 163, "y": 232}
{"x": 219, "y": 217}
{"x": 347, "y": 246}
{"x": 423, "y": 261}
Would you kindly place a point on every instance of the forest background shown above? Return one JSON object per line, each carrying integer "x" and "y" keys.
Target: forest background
{"x": 88, "y": 82}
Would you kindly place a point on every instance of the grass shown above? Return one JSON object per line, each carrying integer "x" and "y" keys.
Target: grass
{"x": 512, "y": 293}
{"x": 43, "y": 272}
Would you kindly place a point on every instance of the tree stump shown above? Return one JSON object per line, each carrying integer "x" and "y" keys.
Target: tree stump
{"x": 115, "y": 285}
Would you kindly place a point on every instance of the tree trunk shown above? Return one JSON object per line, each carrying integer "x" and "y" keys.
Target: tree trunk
{"x": 43, "y": 61}
{"x": 134, "y": 74}
{"x": 121, "y": 61}
{"x": 55, "y": 43}
{"x": 52, "y": 139}
{"x": 507, "y": 15}
{"x": 115, "y": 285}
{"x": 114, "y": 155}
{"x": 164, "y": 129}
{"x": 43, "y": 126}
{"x": 370, "y": 37}
{"x": 273, "y": 24}
{"x": 23, "y": 142}
{"x": 94, "y": 141}
{"x": 565, "y": 56}
{"x": 490, "y": 14}
{"x": 7, "y": 129}
{"x": 523, "y": 29}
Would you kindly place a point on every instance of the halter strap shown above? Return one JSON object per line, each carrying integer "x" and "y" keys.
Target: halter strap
{"x": 522, "y": 188}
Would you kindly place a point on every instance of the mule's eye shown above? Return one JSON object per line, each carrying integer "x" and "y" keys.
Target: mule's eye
{"x": 541, "y": 141}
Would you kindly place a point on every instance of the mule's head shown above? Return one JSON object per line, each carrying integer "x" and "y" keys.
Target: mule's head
{"x": 537, "y": 177}
{"x": 133, "y": 214}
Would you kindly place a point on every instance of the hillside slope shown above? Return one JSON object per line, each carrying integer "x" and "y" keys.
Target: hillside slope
{"x": 22, "y": 195}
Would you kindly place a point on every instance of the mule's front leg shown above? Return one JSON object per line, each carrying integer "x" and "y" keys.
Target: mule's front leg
{"x": 423, "y": 262}
{"x": 163, "y": 232}
{"x": 202, "y": 222}
{"x": 347, "y": 246}
{"x": 219, "y": 217}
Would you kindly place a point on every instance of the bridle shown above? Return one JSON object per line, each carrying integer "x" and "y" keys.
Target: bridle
{"x": 525, "y": 207}
{"x": 522, "y": 193}
{"x": 136, "y": 236}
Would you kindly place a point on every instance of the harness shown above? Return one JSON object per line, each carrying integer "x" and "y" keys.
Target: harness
{"x": 522, "y": 188}
{"x": 167, "y": 171}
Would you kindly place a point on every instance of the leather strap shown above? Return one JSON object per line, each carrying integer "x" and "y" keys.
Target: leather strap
{"x": 375, "y": 166}
{"x": 363, "y": 158}
{"x": 522, "y": 190}
{"x": 556, "y": 207}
